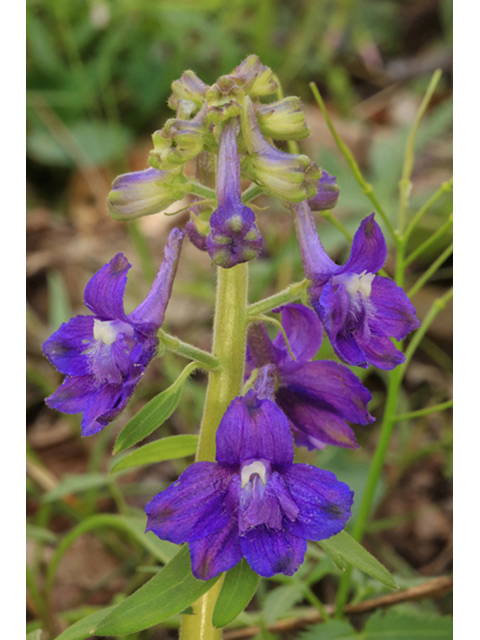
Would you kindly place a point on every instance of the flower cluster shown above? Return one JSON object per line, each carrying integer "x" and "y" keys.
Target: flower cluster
{"x": 253, "y": 501}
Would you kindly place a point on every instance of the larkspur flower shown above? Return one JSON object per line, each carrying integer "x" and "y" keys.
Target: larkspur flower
{"x": 234, "y": 236}
{"x": 104, "y": 355}
{"x": 254, "y": 502}
{"x": 359, "y": 310}
{"x": 317, "y": 397}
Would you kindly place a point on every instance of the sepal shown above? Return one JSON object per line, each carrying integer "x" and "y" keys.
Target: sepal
{"x": 255, "y": 78}
{"x": 282, "y": 120}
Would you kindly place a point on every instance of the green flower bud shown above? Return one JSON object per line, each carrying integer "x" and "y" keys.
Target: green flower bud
{"x": 178, "y": 141}
{"x": 224, "y": 99}
{"x": 188, "y": 87}
{"x": 142, "y": 193}
{"x": 282, "y": 120}
{"x": 287, "y": 176}
{"x": 255, "y": 78}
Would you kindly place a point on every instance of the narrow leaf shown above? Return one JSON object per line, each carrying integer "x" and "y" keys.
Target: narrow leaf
{"x": 343, "y": 548}
{"x": 330, "y": 630}
{"x": 280, "y": 601}
{"x": 164, "y": 449}
{"x": 237, "y": 590}
{"x": 169, "y": 592}
{"x": 396, "y": 625}
{"x": 77, "y": 483}
{"x": 80, "y": 630}
{"x": 154, "y": 413}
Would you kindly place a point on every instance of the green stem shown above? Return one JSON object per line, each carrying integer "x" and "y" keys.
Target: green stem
{"x": 389, "y": 419}
{"x": 405, "y": 184}
{"x": 290, "y": 294}
{"x": 347, "y": 154}
{"x": 430, "y": 271}
{"x": 445, "y": 188}
{"x": 253, "y": 191}
{"x": 186, "y": 350}
{"x": 424, "y": 412}
{"x": 337, "y": 224}
{"x": 202, "y": 191}
{"x": 143, "y": 250}
{"x": 431, "y": 240}
{"x": 229, "y": 346}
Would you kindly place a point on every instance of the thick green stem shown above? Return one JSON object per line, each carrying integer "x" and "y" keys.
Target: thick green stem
{"x": 229, "y": 346}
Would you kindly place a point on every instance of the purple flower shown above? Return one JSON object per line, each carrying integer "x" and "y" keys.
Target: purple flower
{"x": 234, "y": 237}
{"x": 105, "y": 355}
{"x": 317, "y": 397}
{"x": 253, "y": 502}
{"x": 359, "y": 310}
{"x": 327, "y": 193}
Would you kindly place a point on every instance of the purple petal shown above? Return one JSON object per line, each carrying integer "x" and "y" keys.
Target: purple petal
{"x": 195, "y": 237}
{"x": 381, "y": 352}
{"x": 331, "y": 385}
{"x": 304, "y": 332}
{"x": 104, "y": 293}
{"x": 102, "y": 408}
{"x": 193, "y": 506}
{"x": 348, "y": 351}
{"x": 152, "y": 309}
{"x": 369, "y": 249}
{"x": 312, "y": 424}
{"x": 394, "y": 314}
{"x": 70, "y": 347}
{"x": 252, "y": 429}
{"x": 216, "y": 553}
{"x": 327, "y": 193}
{"x": 264, "y": 385}
{"x": 74, "y": 394}
{"x": 270, "y": 552}
{"x": 333, "y": 308}
{"x": 324, "y": 502}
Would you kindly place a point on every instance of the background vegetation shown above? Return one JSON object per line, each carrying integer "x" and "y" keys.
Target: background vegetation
{"x": 98, "y": 78}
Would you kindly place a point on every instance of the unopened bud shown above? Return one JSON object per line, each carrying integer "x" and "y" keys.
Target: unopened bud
{"x": 142, "y": 193}
{"x": 290, "y": 177}
{"x": 282, "y": 120}
{"x": 327, "y": 193}
{"x": 188, "y": 87}
{"x": 224, "y": 99}
{"x": 255, "y": 78}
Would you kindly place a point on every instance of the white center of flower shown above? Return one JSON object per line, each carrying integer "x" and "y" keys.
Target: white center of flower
{"x": 360, "y": 282}
{"x": 255, "y": 467}
{"x": 104, "y": 331}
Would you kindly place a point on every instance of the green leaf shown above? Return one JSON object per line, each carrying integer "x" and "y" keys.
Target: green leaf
{"x": 395, "y": 625}
{"x": 343, "y": 548}
{"x": 72, "y": 484}
{"x": 164, "y": 449}
{"x": 34, "y": 635}
{"x": 81, "y": 630}
{"x": 172, "y": 590}
{"x": 331, "y": 630}
{"x": 237, "y": 590}
{"x": 154, "y": 413}
{"x": 279, "y": 601}
{"x": 40, "y": 533}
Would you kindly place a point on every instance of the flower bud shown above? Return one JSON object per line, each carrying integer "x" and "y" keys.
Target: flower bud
{"x": 282, "y": 120}
{"x": 142, "y": 193}
{"x": 290, "y": 177}
{"x": 234, "y": 237}
{"x": 255, "y": 78}
{"x": 197, "y": 231}
{"x": 327, "y": 193}
{"x": 188, "y": 87}
{"x": 224, "y": 99}
{"x": 178, "y": 141}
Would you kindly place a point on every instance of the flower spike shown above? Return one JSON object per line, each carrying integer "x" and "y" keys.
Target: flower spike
{"x": 104, "y": 355}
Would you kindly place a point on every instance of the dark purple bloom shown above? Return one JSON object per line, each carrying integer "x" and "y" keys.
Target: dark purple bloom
{"x": 359, "y": 310}
{"x": 234, "y": 237}
{"x": 327, "y": 193}
{"x": 253, "y": 502}
{"x": 317, "y": 397}
{"x": 105, "y": 355}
